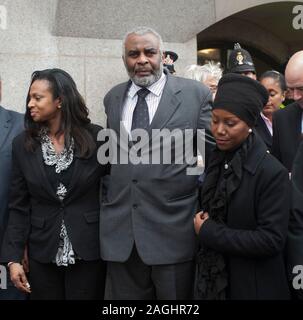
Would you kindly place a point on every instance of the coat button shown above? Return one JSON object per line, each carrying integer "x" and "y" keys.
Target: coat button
{"x": 135, "y": 181}
{"x": 135, "y": 206}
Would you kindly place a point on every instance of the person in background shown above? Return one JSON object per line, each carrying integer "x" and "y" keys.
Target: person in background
{"x": 11, "y": 124}
{"x": 289, "y": 98}
{"x": 240, "y": 61}
{"x": 169, "y": 58}
{"x": 289, "y": 149}
{"x": 274, "y": 83}
{"x": 242, "y": 227}
{"x": 54, "y": 202}
{"x": 209, "y": 74}
{"x": 294, "y": 251}
{"x": 288, "y": 122}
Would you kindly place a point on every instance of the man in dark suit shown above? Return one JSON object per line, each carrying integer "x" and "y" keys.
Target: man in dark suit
{"x": 11, "y": 124}
{"x": 147, "y": 233}
{"x": 287, "y": 123}
{"x": 295, "y": 227}
{"x": 292, "y": 155}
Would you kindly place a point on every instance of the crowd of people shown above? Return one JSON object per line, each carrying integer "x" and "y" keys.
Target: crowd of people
{"x": 74, "y": 227}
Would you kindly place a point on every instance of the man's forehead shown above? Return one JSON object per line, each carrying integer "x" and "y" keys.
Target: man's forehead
{"x": 145, "y": 40}
{"x": 294, "y": 80}
{"x": 298, "y": 85}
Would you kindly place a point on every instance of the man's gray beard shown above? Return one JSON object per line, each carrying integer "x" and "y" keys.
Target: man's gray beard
{"x": 148, "y": 80}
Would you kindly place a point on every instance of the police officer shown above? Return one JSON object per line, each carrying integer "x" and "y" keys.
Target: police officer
{"x": 168, "y": 62}
{"x": 240, "y": 61}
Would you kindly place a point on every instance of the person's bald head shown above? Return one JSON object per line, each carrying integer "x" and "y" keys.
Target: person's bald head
{"x": 294, "y": 76}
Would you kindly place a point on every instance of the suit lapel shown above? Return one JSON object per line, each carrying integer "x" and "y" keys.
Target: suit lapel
{"x": 41, "y": 174}
{"x": 263, "y": 131}
{"x": 168, "y": 105}
{"x": 80, "y": 167}
{"x": 297, "y": 120}
{"x": 118, "y": 107}
{"x": 5, "y": 125}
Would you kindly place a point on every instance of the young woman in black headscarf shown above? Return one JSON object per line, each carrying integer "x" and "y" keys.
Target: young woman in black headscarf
{"x": 242, "y": 227}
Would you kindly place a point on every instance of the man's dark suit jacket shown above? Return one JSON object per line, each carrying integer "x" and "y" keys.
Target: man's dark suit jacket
{"x": 36, "y": 213}
{"x": 287, "y": 134}
{"x": 295, "y": 228}
{"x": 11, "y": 124}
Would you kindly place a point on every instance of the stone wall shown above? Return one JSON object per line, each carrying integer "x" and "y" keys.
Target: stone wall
{"x": 84, "y": 38}
{"x": 27, "y": 43}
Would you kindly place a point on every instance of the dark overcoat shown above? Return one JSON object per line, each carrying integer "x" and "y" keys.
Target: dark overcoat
{"x": 254, "y": 237}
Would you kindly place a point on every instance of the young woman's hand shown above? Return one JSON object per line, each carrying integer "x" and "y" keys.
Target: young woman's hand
{"x": 18, "y": 277}
{"x": 199, "y": 219}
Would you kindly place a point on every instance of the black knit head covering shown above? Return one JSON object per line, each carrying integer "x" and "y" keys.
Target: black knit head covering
{"x": 242, "y": 96}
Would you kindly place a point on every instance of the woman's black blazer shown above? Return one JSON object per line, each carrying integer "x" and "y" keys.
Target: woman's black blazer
{"x": 36, "y": 213}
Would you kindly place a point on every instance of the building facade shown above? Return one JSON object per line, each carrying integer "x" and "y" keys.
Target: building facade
{"x": 84, "y": 37}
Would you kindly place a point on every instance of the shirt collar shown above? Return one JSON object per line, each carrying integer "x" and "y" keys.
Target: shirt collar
{"x": 264, "y": 117}
{"x": 156, "y": 88}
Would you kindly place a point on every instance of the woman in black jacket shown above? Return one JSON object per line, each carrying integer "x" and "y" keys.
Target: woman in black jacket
{"x": 54, "y": 198}
{"x": 245, "y": 200}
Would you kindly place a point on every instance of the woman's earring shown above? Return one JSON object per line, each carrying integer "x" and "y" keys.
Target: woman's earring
{"x": 250, "y": 130}
{"x": 59, "y": 106}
